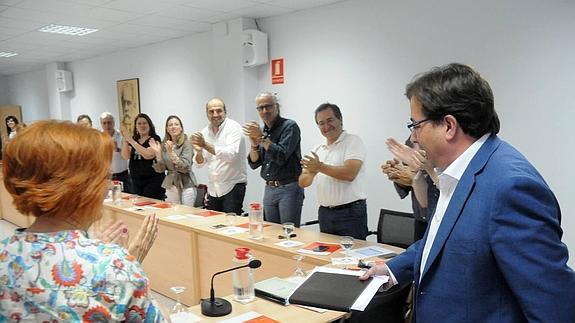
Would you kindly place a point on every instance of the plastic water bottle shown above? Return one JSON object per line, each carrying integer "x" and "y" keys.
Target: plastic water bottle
{"x": 243, "y": 278}
{"x": 256, "y": 219}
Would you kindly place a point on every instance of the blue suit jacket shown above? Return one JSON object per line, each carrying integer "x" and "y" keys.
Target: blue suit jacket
{"x": 498, "y": 255}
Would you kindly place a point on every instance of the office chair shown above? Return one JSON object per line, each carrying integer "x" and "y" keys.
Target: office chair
{"x": 395, "y": 228}
{"x": 201, "y": 195}
{"x": 389, "y": 306}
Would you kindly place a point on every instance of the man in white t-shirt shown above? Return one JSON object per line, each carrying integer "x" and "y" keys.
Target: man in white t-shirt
{"x": 221, "y": 146}
{"x": 338, "y": 168}
{"x": 119, "y": 165}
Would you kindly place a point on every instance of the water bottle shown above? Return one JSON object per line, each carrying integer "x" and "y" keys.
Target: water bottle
{"x": 243, "y": 278}
{"x": 256, "y": 219}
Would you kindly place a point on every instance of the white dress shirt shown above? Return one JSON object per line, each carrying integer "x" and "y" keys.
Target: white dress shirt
{"x": 228, "y": 166}
{"x": 334, "y": 192}
{"x": 448, "y": 180}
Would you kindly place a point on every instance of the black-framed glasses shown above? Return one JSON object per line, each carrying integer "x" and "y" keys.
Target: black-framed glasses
{"x": 266, "y": 107}
{"x": 412, "y": 125}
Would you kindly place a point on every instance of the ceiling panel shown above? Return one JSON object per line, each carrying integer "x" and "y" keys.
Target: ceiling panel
{"x": 221, "y": 5}
{"x": 122, "y": 24}
{"x": 57, "y": 6}
{"x": 186, "y": 12}
{"x": 139, "y": 6}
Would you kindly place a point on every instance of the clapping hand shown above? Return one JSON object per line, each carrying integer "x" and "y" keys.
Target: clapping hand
{"x": 399, "y": 150}
{"x": 145, "y": 238}
{"x": 311, "y": 162}
{"x": 112, "y": 231}
{"x": 124, "y": 133}
{"x": 253, "y": 131}
{"x": 398, "y": 172}
{"x": 156, "y": 147}
{"x": 169, "y": 145}
{"x": 416, "y": 159}
{"x": 198, "y": 141}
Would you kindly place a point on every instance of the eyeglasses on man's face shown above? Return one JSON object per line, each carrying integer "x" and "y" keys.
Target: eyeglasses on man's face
{"x": 265, "y": 107}
{"x": 413, "y": 125}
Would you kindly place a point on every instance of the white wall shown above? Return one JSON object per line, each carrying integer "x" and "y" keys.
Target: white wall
{"x": 4, "y": 90}
{"x": 361, "y": 54}
{"x": 174, "y": 79}
{"x": 29, "y": 91}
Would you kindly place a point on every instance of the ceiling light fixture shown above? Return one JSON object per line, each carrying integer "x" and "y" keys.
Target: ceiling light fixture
{"x": 6, "y": 54}
{"x": 67, "y": 30}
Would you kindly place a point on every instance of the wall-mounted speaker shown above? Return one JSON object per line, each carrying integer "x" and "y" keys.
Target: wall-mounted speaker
{"x": 64, "y": 81}
{"x": 254, "y": 48}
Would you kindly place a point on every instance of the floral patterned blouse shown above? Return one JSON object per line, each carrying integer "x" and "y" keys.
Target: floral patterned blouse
{"x": 66, "y": 276}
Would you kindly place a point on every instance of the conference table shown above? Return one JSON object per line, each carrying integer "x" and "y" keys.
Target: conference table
{"x": 188, "y": 249}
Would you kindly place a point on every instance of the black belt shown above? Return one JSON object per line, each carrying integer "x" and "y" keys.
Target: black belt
{"x": 344, "y": 206}
{"x": 120, "y": 173}
{"x": 281, "y": 183}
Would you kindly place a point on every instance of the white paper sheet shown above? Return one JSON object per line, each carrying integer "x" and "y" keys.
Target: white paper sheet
{"x": 232, "y": 230}
{"x": 288, "y": 243}
{"x": 176, "y": 217}
{"x": 367, "y": 252}
{"x": 185, "y": 317}
{"x": 242, "y": 317}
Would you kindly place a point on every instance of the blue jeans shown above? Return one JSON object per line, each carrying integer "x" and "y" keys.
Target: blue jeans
{"x": 350, "y": 221}
{"x": 231, "y": 202}
{"x": 283, "y": 203}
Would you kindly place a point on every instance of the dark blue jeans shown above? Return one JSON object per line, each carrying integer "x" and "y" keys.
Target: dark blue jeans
{"x": 283, "y": 203}
{"x": 231, "y": 202}
{"x": 351, "y": 221}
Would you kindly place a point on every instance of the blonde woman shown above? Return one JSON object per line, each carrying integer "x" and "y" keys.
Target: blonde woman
{"x": 174, "y": 155}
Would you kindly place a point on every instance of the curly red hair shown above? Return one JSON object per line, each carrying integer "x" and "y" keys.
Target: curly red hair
{"x": 58, "y": 169}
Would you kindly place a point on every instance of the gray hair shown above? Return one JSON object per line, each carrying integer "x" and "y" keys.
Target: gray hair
{"x": 106, "y": 115}
{"x": 268, "y": 94}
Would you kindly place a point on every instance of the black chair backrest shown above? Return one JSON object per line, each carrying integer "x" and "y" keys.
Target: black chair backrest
{"x": 395, "y": 228}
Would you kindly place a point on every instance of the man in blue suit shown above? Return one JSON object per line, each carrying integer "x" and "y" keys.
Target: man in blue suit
{"x": 493, "y": 250}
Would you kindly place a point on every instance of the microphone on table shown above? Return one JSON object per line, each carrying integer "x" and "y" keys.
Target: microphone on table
{"x": 215, "y": 306}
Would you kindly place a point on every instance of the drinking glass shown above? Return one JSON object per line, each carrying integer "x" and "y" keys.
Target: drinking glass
{"x": 178, "y": 307}
{"x": 288, "y": 228}
{"x": 231, "y": 218}
{"x": 346, "y": 243}
{"x": 117, "y": 187}
{"x": 298, "y": 270}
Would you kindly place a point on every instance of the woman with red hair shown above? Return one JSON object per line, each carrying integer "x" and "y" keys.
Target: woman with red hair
{"x": 54, "y": 270}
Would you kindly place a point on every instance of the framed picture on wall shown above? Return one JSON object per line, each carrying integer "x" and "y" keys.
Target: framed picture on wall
{"x": 128, "y": 102}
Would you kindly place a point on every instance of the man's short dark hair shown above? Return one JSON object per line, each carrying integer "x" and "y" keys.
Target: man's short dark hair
{"x": 458, "y": 90}
{"x": 333, "y": 107}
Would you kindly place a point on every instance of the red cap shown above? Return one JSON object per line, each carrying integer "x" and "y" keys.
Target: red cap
{"x": 255, "y": 206}
{"x": 242, "y": 253}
